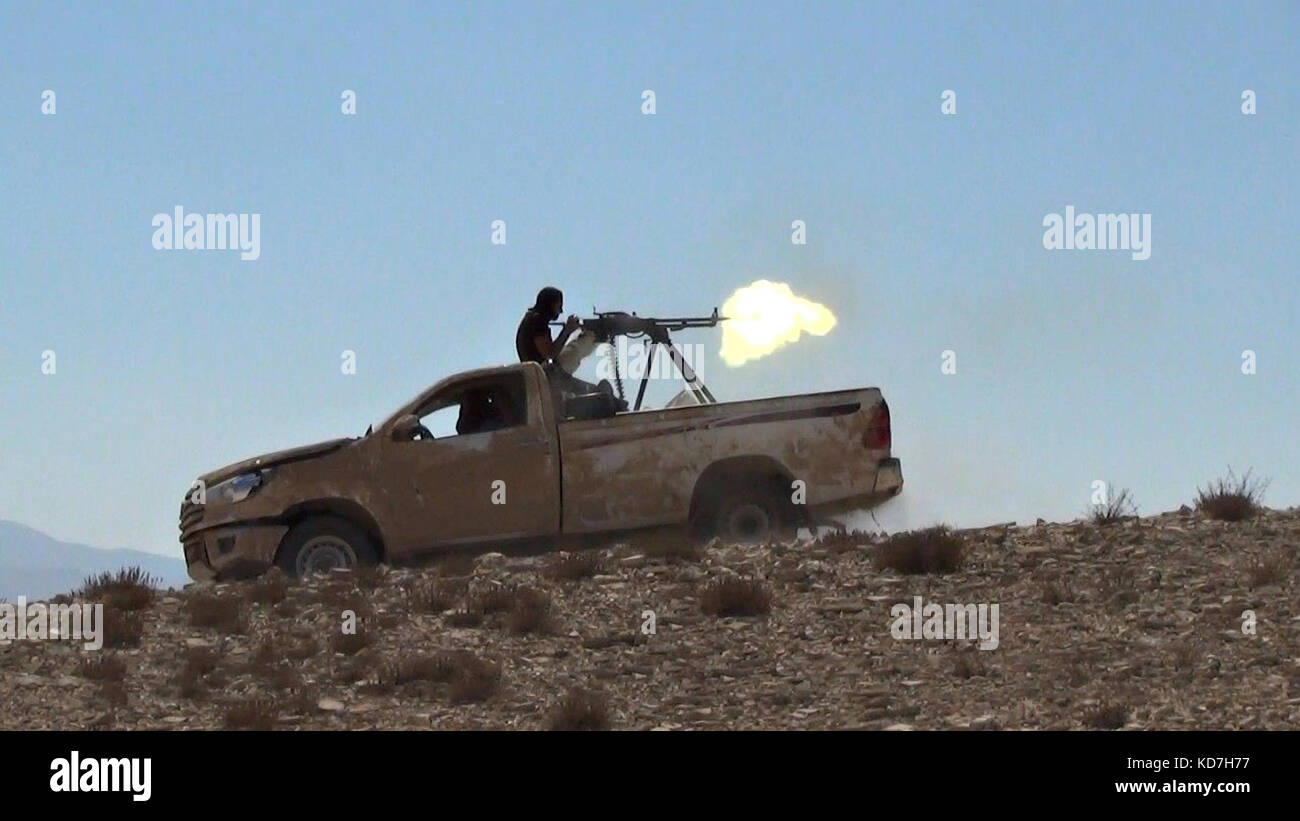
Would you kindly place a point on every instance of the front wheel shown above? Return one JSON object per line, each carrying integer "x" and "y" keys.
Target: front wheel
{"x": 322, "y": 544}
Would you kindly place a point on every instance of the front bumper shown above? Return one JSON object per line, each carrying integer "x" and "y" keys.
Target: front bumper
{"x": 231, "y": 551}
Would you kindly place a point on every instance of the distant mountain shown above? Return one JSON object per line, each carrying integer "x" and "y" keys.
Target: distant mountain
{"x": 38, "y": 566}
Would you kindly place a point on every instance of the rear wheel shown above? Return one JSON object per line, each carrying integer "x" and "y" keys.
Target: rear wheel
{"x": 753, "y": 515}
{"x": 323, "y": 543}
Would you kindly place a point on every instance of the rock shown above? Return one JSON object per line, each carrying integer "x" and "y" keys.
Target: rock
{"x": 489, "y": 562}
{"x": 601, "y": 642}
{"x": 839, "y": 607}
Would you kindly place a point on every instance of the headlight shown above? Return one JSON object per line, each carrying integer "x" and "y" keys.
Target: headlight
{"x": 236, "y": 488}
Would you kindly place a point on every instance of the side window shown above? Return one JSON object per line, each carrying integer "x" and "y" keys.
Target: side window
{"x": 480, "y": 406}
{"x": 441, "y": 422}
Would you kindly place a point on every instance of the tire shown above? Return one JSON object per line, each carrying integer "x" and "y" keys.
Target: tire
{"x": 753, "y": 515}
{"x": 322, "y": 543}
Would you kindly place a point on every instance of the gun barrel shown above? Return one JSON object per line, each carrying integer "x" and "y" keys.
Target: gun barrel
{"x": 620, "y": 322}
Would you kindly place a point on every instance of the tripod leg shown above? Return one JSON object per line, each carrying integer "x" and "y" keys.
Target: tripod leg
{"x": 692, "y": 379}
{"x": 645, "y": 380}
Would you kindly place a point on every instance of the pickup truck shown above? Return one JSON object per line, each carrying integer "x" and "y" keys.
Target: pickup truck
{"x": 517, "y": 467}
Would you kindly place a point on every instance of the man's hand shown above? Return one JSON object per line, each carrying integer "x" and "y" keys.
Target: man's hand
{"x": 571, "y": 324}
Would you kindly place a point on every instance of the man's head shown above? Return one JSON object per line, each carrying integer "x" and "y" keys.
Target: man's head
{"x": 550, "y": 302}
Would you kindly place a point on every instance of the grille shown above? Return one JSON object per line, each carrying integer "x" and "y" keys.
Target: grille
{"x": 194, "y": 553}
{"x": 191, "y": 514}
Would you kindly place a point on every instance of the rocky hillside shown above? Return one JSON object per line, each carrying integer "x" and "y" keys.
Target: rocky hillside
{"x": 1136, "y": 623}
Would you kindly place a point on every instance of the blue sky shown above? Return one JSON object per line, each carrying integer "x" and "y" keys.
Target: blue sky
{"x": 924, "y": 230}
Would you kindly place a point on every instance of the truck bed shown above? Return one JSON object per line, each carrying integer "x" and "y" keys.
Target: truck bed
{"x": 641, "y": 469}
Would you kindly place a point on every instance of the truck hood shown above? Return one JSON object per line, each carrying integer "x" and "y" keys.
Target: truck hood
{"x": 278, "y": 457}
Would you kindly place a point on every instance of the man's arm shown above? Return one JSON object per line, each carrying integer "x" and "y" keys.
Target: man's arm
{"x": 550, "y": 349}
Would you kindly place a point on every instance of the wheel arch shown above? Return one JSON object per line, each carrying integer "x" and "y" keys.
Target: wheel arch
{"x": 332, "y": 506}
{"x": 727, "y": 474}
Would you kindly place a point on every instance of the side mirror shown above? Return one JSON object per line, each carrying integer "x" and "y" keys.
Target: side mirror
{"x": 405, "y": 427}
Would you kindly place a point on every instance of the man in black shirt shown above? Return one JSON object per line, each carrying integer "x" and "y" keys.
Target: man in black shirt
{"x": 533, "y": 340}
{"x": 533, "y": 343}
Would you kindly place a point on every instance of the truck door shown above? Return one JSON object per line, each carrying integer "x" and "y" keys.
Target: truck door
{"x": 490, "y": 470}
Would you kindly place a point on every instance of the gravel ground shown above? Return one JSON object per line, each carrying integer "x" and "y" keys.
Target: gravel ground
{"x": 1135, "y": 624}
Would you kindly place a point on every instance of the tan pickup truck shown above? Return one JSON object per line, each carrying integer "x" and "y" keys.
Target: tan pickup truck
{"x": 504, "y": 467}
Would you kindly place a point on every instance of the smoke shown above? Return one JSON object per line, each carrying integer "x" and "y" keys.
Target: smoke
{"x": 764, "y": 316}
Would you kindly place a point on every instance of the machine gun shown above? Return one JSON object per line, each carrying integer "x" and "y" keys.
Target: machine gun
{"x": 607, "y": 325}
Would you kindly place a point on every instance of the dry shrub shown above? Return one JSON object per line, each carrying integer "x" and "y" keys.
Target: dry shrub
{"x": 122, "y": 629}
{"x": 200, "y": 662}
{"x": 431, "y": 597}
{"x": 580, "y": 709}
{"x": 357, "y": 668}
{"x": 368, "y": 577}
{"x": 1273, "y": 567}
{"x": 102, "y": 668}
{"x": 1109, "y": 715}
{"x": 841, "y": 541}
{"x": 669, "y": 545}
{"x": 1183, "y": 655}
{"x": 463, "y": 618}
{"x": 439, "y": 668}
{"x": 130, "y": 588}
{"x": 270, "y": 589}
{"x": 217, "y": 678}
{"x": 1231, "y": 499}
{"x": 223, "y": 614}
{"x": 284, "y": 677}
{"x": 573, "y": 566}
{"x": 340, "y": 596}
{"x": 530, "y": 613}
{"x": 932, "y": 550}
{"x": 265, "y": 653}
{"x": 301, "y": 649}
{"x": 1119, "y": 587}
{"x": 470, "y": 678}
{"x": 475, "y": 679}
{"x": 302, "y": 701}
{"x": 349, "y": 644}
{"x": 251, "y": 714}
{"x": 492, "y": 598}
{"x": 970, "y": 664}
{"x": 735, "y": 597}
{"x": 113, "y": 692}
{"x": 1115, "y": 509}
{"x": 1078, "y": 675}
{"x": 1054, "y": 593}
